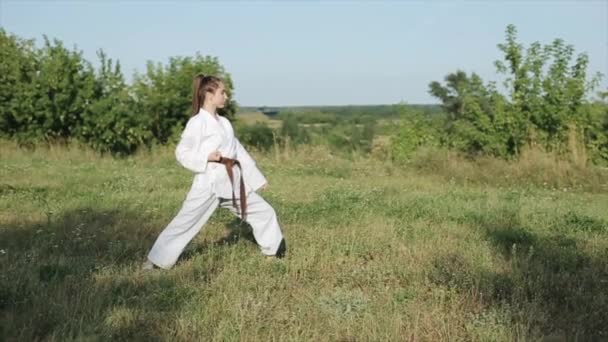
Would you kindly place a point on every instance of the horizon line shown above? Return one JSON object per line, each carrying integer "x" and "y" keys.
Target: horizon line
{"x": 342, "y": 105}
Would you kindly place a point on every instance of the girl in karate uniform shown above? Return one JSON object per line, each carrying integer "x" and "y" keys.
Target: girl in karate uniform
{"x": 225, "y": 176}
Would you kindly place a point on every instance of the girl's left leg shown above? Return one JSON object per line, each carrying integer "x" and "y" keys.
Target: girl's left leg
{"x": 263, "y": 220}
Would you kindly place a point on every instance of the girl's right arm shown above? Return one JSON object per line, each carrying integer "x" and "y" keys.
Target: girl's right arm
{"x": 193, "y": 150}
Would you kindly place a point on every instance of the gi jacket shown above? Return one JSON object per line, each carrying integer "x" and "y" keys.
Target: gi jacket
{"x": 204, "y": 134}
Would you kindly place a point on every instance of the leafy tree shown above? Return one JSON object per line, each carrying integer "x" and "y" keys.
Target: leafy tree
{"x": 17, "y": 71}
{"x": 114, "y": 122}
{"x": 547, "y": 97}
{"x": 63, "y": 90}
{"x": 546, "y": 92}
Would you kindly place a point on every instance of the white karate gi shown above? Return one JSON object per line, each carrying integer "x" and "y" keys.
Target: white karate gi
{"x": 211, "y": 188}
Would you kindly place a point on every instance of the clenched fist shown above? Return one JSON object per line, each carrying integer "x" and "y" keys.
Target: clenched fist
{"x": 214, "y": 156}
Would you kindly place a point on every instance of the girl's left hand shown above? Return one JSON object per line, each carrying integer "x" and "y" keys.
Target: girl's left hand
{"x": 263, "y": 188}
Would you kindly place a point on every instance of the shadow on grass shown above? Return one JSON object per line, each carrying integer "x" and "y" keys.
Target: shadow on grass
{"x": 550, "y": 284}
{"x": 77, "y": 276}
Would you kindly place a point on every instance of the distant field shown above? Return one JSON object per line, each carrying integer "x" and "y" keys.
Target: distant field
{"x": 250, "y": 118}
{"x": 442, "y": 250}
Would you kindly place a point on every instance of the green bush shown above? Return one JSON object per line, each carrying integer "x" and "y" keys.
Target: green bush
{"x": 349, "y": 137}
{"x": 258, "y": 135}
{"x": 414, "y": 131}
{"x": 291, "y": 129}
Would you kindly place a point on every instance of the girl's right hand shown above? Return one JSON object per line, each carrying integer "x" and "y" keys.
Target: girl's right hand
{"x": 214, "y": 156}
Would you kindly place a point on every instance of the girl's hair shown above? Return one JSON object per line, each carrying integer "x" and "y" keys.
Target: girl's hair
{"x": 201, "y": 85}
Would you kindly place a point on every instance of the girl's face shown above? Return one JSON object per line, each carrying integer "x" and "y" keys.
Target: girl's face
{"x": 219, "y": 97}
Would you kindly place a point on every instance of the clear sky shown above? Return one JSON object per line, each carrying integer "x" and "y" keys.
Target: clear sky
{"x": 316, "y": 53}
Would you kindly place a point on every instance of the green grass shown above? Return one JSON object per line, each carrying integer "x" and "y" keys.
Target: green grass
{"x": 435, "y": 250}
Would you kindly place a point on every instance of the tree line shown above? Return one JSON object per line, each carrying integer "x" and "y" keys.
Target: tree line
{"x": 547, "y": 99}
{"x": 52, "y": 94}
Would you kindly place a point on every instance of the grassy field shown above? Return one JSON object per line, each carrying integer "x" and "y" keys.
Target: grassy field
{"x": 442, "y": 249}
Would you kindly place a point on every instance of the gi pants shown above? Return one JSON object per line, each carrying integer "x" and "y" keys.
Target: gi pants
{"x": 199, "y": 205}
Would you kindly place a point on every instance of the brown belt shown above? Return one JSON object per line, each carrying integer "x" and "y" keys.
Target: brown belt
{"x": 229, "y": 163}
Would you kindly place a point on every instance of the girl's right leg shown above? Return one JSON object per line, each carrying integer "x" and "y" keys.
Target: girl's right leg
{"x": 197, "y": 208}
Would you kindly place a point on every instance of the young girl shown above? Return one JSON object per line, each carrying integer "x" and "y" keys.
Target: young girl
{"x": 224, "y": 175}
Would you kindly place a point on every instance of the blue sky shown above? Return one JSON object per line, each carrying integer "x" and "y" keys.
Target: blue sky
{"x": 316, "y": 53}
